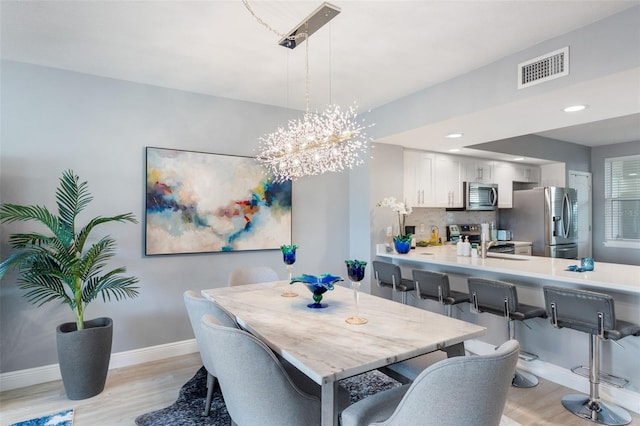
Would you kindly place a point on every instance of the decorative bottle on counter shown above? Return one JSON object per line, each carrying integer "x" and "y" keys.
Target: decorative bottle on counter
{"x": 459, "y": 247}
{"x": 466, "y": 247}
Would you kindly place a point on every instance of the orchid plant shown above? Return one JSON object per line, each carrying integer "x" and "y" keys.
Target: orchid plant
{"x": 401, "y": 209}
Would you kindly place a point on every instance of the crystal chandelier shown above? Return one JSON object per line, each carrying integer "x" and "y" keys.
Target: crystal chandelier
{"x": 331, "y": 141}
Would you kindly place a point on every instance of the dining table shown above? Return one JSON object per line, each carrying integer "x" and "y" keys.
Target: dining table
{"x": 323, "y": 346}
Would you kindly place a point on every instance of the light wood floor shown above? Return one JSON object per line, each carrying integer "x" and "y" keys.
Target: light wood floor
{"x": 132, "y": 391}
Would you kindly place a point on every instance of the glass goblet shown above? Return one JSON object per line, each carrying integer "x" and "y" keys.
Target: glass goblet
{"x": 289, "y": 258}
{"x": 355, "y": 270}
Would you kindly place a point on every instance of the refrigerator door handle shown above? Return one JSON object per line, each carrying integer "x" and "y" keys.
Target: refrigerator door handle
{"x": 566, "y": 207}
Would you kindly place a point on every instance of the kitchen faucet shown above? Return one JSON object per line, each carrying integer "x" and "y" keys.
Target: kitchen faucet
{"x": 485, "y": 245}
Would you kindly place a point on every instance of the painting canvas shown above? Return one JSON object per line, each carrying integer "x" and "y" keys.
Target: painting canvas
{"x": 200, "y": 202}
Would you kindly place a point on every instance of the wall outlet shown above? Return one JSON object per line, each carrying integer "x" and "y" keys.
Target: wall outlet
{"x": 422, "y": 228}
{"x": 389, "y": 231}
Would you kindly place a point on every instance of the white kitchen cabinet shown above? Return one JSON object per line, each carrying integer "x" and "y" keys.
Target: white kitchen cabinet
{"x": 447, "y": 180}
{"x": 505, "y": 173}
{"x": 527, "y": 173}
{"x": 418, "y": 178}
{"x": 477, "y": 170}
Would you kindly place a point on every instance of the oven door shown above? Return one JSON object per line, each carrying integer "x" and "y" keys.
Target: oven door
{"x": 508, "y": 248}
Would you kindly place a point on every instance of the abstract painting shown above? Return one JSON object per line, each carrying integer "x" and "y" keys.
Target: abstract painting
{"x": 200, "y": 202}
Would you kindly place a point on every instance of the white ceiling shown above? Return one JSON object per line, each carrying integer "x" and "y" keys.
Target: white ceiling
{"x": 374, "y": 52}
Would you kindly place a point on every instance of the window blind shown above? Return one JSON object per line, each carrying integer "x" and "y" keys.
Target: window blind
{"x": 622, "y": 198}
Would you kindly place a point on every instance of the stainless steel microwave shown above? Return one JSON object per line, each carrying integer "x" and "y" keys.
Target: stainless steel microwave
{"x": 480, "y": 196}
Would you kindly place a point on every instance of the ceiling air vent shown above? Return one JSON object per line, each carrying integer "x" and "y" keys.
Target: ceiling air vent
{"x": 543, "y": 68}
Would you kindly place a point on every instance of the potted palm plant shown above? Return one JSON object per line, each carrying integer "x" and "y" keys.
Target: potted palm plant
{"x": 63, "y": 267}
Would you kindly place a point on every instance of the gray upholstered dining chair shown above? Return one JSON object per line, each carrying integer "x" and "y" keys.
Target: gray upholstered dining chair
{"x": 256, "y": 387}
{"x": 251, "y": 275}
{"x": 197, "y": 307}
{"x": 466, "y": 390}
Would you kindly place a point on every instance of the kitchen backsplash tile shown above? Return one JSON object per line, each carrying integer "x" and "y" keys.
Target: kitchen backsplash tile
{"x": 441, "y": 218}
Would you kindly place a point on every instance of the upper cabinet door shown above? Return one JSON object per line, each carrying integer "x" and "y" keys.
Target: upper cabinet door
{"x": 418, "y": 178}
{"x": 504, "y": 174}
{"x": 527, "y": 173}
{"x": 447, "y": 179}
{"x": 476, "y": 170}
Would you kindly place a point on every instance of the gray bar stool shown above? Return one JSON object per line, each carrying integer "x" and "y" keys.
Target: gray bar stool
{"x": 389, "y": 275}
{"x": 593, "y": 313}
{"x": 501, "y": 298}
{"x": 435, "y": 286}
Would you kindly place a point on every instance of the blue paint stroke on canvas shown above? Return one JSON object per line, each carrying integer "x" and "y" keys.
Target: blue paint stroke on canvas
{"x": 199, "y": 202}
{"x": 63, "y": 418}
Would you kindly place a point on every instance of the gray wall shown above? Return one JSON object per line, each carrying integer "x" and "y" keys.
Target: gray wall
{"x": 54, "y": 120}
{"x": 600, "y": 252}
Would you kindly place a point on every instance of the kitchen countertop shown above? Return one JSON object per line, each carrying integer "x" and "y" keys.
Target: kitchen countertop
{"x": 605, "y": 276}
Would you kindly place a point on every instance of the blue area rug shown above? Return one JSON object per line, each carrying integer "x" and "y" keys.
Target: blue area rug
{"x": 188, "y": 409}
{"x": 63, "y": 418}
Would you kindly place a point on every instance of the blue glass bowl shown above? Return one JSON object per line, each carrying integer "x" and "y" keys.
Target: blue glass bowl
{"x": 317, "y": 285}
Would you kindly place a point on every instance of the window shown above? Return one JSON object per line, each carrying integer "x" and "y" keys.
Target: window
{"x": 622, "y": 201}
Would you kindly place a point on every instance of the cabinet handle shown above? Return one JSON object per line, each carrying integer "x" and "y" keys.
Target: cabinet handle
{"x": 422, "y": 196}
{"x": 418, "y": 197}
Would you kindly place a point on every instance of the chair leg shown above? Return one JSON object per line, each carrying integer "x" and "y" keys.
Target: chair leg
{"x": 211, "y": 383}
{"x": 591, "y": 407}
{"x": 521, "y": 379}
{"x": 404, "y": 297}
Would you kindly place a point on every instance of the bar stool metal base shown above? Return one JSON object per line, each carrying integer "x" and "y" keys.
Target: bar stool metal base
{"x": 596, "y": 411}
{"x": 522, "y": 379}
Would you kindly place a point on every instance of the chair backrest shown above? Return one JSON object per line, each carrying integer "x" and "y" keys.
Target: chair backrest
{"x": 255, "y": 386}
{"x": 197, "y": 307}
{"x": 466, "y": 390}
{"x": 386, "y": 273}
{"x": 490, "y": 296}
{"x": 433, "y": 285}
{"x": 251, "y": 275}
{"x": 579, "y": 309}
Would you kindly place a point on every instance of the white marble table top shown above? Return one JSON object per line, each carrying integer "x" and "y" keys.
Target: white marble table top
{"x": 323, "y": 346}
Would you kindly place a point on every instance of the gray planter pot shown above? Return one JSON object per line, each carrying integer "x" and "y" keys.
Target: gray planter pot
{"x": 84, "y": 356}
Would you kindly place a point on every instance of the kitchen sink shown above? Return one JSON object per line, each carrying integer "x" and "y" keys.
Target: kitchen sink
{"x": 508, "y": 256}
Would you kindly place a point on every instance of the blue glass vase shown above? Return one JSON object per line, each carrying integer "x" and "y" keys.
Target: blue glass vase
{"x": 355, "y": 270}
{"x": 289, "y": 258}
{"x": 317, "y": 285}
{"x": 402, "y": 244}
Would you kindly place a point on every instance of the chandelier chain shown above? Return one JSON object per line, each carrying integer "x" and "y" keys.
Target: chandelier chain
{"x": 331, "y": 141}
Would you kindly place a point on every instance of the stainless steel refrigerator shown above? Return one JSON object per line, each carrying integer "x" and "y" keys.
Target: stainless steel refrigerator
{"x": 548, "y": 217}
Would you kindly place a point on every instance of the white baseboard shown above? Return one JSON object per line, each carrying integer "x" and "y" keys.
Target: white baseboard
{"x": 565, "y": 377}
{"x": 48, "y": 373}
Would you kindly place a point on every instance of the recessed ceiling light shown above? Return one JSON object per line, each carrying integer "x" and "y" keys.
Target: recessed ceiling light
{"x": 454, "y": 150}
{"x": 518, "y": 159}
{"x": 454, "y": 135}
{"x": 575, "y": 108}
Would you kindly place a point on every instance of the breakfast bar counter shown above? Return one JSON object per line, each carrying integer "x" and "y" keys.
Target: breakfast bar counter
{"x": 610, "y": 277}
{"x": 559, "y": 350}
